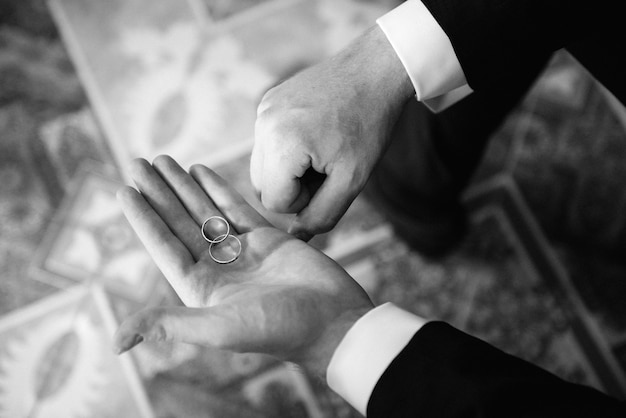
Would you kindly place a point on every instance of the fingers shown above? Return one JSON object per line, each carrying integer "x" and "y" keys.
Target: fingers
{"x": 204, "y": 326}
{"x": 234, "y": 207}
{"x": 169, "y": 253}
{"x": 166, "y": 204}
{"x": 328, "y": 205}
{"x": 256, "y": 166}
{"x": 276, "y": 168}
{"x": 194, "y": 199}
{"x": 281, "y": 187}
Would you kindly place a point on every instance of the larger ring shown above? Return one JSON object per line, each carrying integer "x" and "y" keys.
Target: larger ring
{"x": 221, "y": 242}
{"x": 220, "y": 237}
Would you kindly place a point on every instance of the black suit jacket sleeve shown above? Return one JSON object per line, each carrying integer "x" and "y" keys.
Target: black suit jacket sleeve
{"x": 490, "y": 37}
{"x": 444, "y": 372}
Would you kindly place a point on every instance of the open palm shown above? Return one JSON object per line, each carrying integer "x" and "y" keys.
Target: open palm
{"x": 280, "y": 296}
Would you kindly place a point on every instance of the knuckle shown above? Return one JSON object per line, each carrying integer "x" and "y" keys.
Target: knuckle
{"x": 268, "y": 100}
{"x": 273, "y": 204}
{"x": 265, "y": 125}
{"x": 264, "y": 107}
{"x": 154, "y": 325}
{"x": 274, "y": 127}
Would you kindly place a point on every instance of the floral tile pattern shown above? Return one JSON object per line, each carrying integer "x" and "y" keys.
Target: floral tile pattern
{"x": 55, "y": 360}
{"x": 184, "y": 78}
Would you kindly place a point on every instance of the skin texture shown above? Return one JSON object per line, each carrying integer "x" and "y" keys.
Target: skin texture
{"x": 280, "y": 297}
{"x": 331, "y": 124}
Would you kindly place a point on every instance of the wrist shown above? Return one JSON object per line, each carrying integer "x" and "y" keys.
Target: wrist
{"x": 372, "y": 60}
{"x": 322, "y": 351}
{"x": 367, "y": 350}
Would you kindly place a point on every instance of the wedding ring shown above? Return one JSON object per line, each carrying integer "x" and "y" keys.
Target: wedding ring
{"x": 224, "y": 248}
{"x": 227, "y": 252}
{"x": 220, "y": 236}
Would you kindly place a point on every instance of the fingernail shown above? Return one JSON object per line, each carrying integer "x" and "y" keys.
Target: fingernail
{"x": 304, "y": 236}
{"x": 295, "y": 229}
{"x": 128, "y": 343}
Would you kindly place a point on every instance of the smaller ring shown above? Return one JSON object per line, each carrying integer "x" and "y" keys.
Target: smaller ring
{"x": 219, "y": 238}
{"x": 222, "y": 240}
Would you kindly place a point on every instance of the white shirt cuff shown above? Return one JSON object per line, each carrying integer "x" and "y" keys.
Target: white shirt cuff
{"x": 367, "y": 350}
{"x": 426, "y": 53}
{"x": 439, "y": 103}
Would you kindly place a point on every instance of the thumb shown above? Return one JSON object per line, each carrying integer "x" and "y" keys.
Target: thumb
{"x": 201, "y": 326}
{"x": 326, "y": 207}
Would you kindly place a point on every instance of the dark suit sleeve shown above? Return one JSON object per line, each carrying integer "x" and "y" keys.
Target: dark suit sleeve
{"x": 444, "y": 372}
{"x": 491, "y": 37}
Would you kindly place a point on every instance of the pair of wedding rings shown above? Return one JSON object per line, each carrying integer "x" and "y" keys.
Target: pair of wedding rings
{"x": 224, "y": 248}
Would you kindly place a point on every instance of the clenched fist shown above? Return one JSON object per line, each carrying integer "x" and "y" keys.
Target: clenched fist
{"x": 319, "y": 134}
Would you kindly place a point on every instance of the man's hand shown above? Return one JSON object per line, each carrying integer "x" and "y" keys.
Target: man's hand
{"x": 331, "y": 121}
{"x": 280, "y": 297}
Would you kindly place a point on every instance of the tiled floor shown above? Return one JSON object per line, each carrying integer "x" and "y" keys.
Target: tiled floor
{"x": 172, "y": 79}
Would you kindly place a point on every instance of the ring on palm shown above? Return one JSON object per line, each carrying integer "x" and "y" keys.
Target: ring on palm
{"x": 224, "y": 248}
{"x": 220, "y": 227}
{"x": 227, "y": 250}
